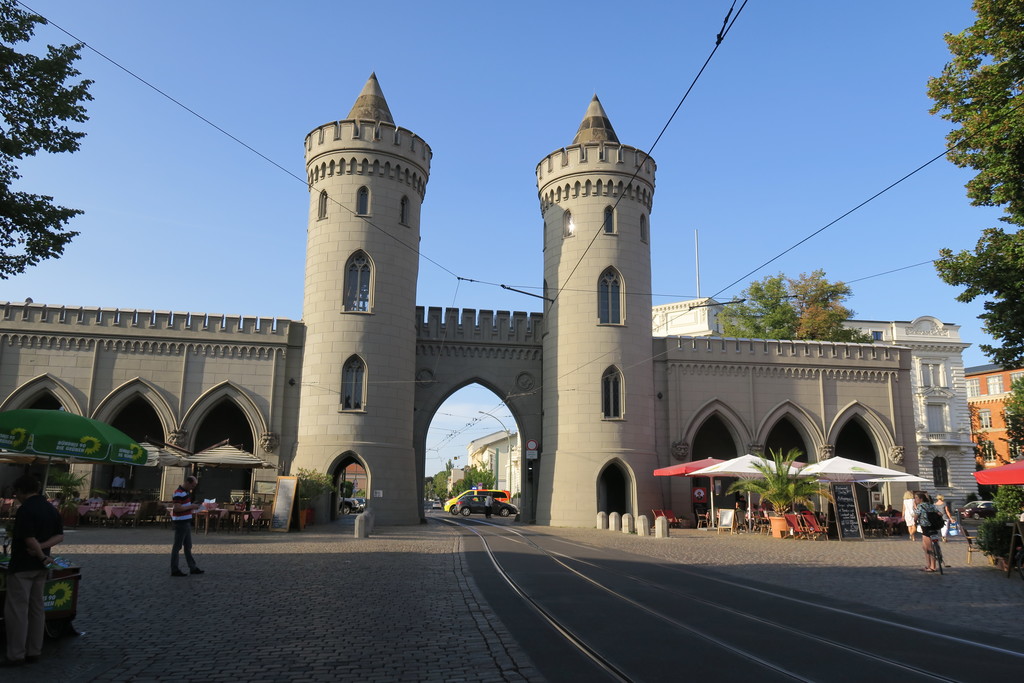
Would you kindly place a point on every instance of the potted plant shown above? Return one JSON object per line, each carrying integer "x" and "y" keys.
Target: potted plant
{"x": 312, "y": 485}
{"x": 995, "y": 533}
{"x": 70, "y": 484}
{"x": 782, "y": 488}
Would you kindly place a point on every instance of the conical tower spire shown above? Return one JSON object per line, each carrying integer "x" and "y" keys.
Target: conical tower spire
{"x": 371, "y": 105}
{"x": 595, "y": 126}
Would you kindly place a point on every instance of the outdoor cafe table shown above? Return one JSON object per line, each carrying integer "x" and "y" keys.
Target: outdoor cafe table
{"x": 205, "y": 516}
{"x": 115, "y": 511}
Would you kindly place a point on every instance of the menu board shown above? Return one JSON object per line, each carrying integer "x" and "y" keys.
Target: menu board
{"x": 726, "y": 519}
{"x": 284, "y": 502}
{"x": 847, "y": 513}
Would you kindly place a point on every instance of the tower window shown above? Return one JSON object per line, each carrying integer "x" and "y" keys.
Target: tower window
{"x": 321, "y": 207}
{"x": 568, "y": 225}
{"x": 643, "y": 229}
{"x": 353, "y": 384}
{"x": 611, "y": 394}
{"x": 609, "y": 221}
{"x": 403, "y": 211}
{"x": 609, "y": 298}
{"x": 358, "y": 282}
{"x": 363, "y": 202}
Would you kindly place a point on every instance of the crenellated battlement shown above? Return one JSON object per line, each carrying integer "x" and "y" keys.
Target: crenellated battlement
{"x": 596, "y": 169}
{"x": 470, "y": 325}
{"x": 724, "y": 349}
{"x": 92, "y": 320}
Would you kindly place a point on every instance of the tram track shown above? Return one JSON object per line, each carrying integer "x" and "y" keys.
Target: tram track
{"x": 774, "y": 636}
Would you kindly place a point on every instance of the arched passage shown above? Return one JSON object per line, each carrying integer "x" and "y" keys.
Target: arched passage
{"x": 225, "y": 421}
{"x": 854, "y": 442}
{"x": 351, "y": 480}
{"x": 784, "y": 436}
{"x": 613, "y": 490}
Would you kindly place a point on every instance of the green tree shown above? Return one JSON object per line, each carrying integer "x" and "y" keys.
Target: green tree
{"x": 36, "y": 102}
{"x": 1013, "y": 416}
{"x": 474, "y": 476}
{"x": 776, "y": 307}
{"x": 980, "y": 91}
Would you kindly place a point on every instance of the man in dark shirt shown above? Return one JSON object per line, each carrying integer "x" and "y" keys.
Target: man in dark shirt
{"x": 37, "y": 528}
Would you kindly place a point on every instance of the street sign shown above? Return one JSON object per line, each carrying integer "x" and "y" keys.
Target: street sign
{"x": 531, "y": 449}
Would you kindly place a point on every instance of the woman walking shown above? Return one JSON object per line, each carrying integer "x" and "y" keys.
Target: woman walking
{"x": 909, "y": 514}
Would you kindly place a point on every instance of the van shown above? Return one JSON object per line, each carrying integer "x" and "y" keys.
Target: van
{"x": 497, "y": 494}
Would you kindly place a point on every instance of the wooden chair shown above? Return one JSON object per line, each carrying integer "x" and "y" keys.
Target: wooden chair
{"x": 703, "y": 519}
{"x": 972, "y": 542}
{"x": 673, "y": 521}
{"x": 812, "y": 527}
{"x": 796, "y": 526}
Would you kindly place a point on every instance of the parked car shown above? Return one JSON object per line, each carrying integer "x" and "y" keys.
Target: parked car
{"x": 469, "y": 505}
{"x": 977, "y": 509}
{"x": 500, "y": 494}
{"x": 353, "y": 505}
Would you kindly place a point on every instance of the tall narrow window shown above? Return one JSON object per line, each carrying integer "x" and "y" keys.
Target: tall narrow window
{"x": 932, "y": 375}
{"x": 988, "y": 451}
{"x": 403, "y": 211}
{"x": 363, "y": 201}
{"x": 358, "y": 282}
{"x": 609, "y": 221}
{"x": 353, "y": 384}
{"x": 985, "y": 419}
{"x": 994, "y": 384}
{"x": 643, "y": 228}
{"x": 568, "y": 226}
{"x": 935, "y": 413}
{"x": 321, "y": 207}
{"x": 940, "y": 472}
{"x": 611, "y": 393}
{"x": 973, "y": 388}
{"x": 609, "y": 298}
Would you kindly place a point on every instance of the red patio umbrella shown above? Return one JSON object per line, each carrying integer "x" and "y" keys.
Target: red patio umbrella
{"x": 1007, "y": 474}
{"x": 682, "y": 469}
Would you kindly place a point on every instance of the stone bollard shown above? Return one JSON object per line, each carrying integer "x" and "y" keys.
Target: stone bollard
{"x": 661, "y": 527}
{"x": 615, "y": 521}
{"x": 627, "y": 524}
{"x": 364, "y": 524}
{"x": 642, "y": 527}
{"x": 602, "y": 520}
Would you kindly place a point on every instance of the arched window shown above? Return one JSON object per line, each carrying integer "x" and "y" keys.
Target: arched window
{"x": 609, "y": 298}
{"x": 568, "y": 226}
{"x": 643, "y": 228}
{"x": 321, "y": 208}
{"x": 611, "y": 394}
{"x": 403, "y": 211}
{"x": 940, "y": 472}
{"x": 353, "y": 384}
{"x": 363, "y": 201}
{"x": 609, "y": 221}
{"x": 358, "y": 282}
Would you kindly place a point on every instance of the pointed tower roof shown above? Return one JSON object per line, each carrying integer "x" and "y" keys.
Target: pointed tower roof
{"x": 371, "y": 105}
{"x": 595, "y": 126}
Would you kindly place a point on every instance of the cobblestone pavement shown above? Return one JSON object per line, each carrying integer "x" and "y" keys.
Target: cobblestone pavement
{"x": 399, "y": 606}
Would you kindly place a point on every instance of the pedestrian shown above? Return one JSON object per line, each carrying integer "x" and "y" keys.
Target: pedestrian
{"x": 488, "y": 506}
{"x": 909, "y": 514}
{"x": 929, "y": 520}
{"x": 37, "y": 528}
{"x": 181, "y": 518}
{"x": 940, "y": 505}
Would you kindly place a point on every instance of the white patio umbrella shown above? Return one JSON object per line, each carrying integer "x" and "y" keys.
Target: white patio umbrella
{"x": 844, "y": 469}
{"x": 743, "y": 467}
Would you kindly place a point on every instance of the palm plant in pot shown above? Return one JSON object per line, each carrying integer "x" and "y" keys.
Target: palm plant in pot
{"x": 70, "y": 484}
{"x": 783, "y": 487}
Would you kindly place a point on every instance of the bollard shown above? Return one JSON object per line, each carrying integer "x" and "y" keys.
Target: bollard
{"x": 615, "y": 521}
{"x": 602, "y": 520}
{"x": 661, "y": 527}
{"x": 627, "y": 523}
{"x": 642, "y": 527}
{"x": 364, "y": 524}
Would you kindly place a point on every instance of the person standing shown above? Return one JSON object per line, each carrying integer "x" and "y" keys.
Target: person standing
{"x": 181, "y": 518}
{"x": 909, "y": 514}
{"x": 940, "y": 505}
{"x": 488, "y": 505}
{"x": 37, "y": 528}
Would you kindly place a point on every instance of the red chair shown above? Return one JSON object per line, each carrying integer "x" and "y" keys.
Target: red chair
{"x": 796, "y": 526}
{"x": 812, "y": 527}
{"x": 672, "y": 520}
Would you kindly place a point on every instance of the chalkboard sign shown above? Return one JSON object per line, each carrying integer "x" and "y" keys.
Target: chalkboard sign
{"x": 726, "y": 519}
{"x": 847, "y": 512}
{"x": 284, "y": 501}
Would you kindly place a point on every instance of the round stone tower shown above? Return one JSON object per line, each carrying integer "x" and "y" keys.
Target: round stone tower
{"x": 598, "y": 448}
{"x": 367, "y": 179}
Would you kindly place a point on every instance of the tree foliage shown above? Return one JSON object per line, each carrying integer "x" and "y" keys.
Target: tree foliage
{"x": 1013, "y": 416}
{"x": 777, "y": 307}
{"x": 474, "y": 476}
{"x": 980, "y": 91}
{"x": 36, "y": 103}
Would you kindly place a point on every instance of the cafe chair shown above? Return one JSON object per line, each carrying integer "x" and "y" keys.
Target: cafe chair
{"x": 812, "y": 527}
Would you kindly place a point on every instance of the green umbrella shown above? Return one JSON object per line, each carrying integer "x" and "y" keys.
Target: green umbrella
{"x": 60, "y": 434}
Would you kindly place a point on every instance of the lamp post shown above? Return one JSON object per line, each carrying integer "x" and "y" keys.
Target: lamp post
{"x": 508, "y": 447}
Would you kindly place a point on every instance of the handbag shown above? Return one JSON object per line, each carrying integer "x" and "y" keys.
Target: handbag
{"x": 954, "y": 528}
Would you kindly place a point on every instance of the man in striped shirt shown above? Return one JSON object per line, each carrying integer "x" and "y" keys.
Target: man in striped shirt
{"x": 181, "y": 518}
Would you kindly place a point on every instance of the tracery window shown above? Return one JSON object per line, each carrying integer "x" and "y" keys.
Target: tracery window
{"x": 358, "y": 283}
{"x": 611, "y": 394}
{"x": 568, "y": 226}
{"x": 353, "y": 384}
{"x": 609, "y": 298}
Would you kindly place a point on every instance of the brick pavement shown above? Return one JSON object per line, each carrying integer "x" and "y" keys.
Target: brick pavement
{"x": 400, "y": 605}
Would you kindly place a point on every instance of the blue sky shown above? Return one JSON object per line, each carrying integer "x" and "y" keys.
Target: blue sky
{"x": 806, "y": 110}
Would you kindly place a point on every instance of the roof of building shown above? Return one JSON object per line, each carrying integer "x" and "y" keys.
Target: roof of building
{"x": 371, "y": 105}
{"x": 982, "y": 369}
{"x": 595, "y": 126}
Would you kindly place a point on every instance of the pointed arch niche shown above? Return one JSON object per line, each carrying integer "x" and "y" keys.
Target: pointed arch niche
{"x": 44, "y": 392}
{"x": 351, "y": 474}
{"x": 614, "y": 489}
